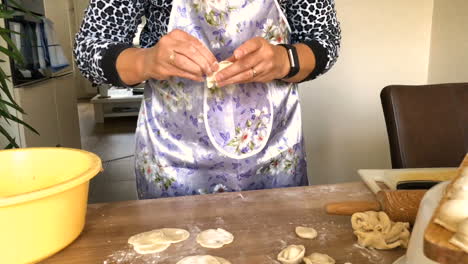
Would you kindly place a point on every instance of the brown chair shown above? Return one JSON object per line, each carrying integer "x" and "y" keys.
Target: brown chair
{"x": 427, "y": 125}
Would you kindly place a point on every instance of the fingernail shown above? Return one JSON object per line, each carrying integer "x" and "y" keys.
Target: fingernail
{"x": 215, "y": 66}
{"x": 238, "y": 54}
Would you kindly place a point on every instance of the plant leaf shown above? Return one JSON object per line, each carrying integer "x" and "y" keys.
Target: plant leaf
{"x": 19, "y": 121}
{"x": 10, "y": 139}
{"x": 11, "y": 54}
{"x": 4, "y": 85}
{"x": 13, "y": 105}
{"x": 11, "y": 145}
{"x": 12, "y": 46}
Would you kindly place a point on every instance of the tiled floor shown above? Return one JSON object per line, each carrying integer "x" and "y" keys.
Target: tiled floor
{"x": 113, "y": 141}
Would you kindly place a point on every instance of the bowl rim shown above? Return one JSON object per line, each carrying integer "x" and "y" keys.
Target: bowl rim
{"x": 92, "y": 171}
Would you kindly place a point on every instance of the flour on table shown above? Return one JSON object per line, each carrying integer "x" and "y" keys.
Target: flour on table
{"x": 319, "y": 258}
{"x": 157, "y": 240}
{"x": 292, "y": 254}
{"x": 376, "y": 230}
{"x": 306, "y": 232}
{"x": 214, "y": 238}
{"x": 206, "y": 259}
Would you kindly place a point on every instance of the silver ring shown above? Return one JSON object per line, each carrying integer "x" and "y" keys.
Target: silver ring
{"x": 254, "y": 73}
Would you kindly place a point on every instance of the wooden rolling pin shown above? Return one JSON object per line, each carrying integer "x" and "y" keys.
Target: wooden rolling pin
{"x": 400, "y": 206}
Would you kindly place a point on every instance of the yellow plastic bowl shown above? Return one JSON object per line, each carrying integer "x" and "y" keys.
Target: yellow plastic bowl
{"x": 43, "y": 200}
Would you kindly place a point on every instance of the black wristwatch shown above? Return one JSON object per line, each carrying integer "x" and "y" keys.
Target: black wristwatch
{"x": 293, "y": 60}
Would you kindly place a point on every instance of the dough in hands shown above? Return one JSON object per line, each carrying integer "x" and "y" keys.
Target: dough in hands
{"x": 206, "y": 259}
{"x": 451, "y": 213}
{"x": 318, "y": 258}
{"x": 214, "y": 238}
{"x": 211, "y": 80}
{"x": 157, "y": 240}
{"x": 292, "y": 254}
{"x": 460, "y": 239}
{"x": 376, "y": 230}
{"x": 306, "y": 232}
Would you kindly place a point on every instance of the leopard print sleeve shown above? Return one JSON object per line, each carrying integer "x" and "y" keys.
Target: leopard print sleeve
{"x": 108, "y": 25}
{"x": 314, "y": 22}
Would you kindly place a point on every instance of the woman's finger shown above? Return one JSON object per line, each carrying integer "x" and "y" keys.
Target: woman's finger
{"x": 174, "y": 71}
{"x": 185, "y": 64}
{"x": 188, "y": 50}
{"x": 186, "y": 38}
{"x": 248, "y": 47}
{"x": 247, "y": 76}
{"x": 238, "y": 67}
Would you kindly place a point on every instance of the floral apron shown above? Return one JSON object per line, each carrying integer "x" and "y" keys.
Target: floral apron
{"x": 192, "y": 139}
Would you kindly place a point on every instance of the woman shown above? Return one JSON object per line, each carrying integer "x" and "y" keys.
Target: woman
{"x": 244, "y": 132}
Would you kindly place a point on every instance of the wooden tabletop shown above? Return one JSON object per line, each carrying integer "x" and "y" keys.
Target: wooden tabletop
{"x": 262, "y": 222}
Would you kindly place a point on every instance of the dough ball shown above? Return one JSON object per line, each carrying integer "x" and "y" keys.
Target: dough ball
{"x": 460, "y": 239}
{"x": 157, "y": 240}
{"x": 460, "y": 188}
{"x": 214, "y": 238}
{"x": 211, "y": 80}
{"x": 292, "y": 254}
{"x": 451, "y": 213}
{"x": 306, "y": 232}
{"x": 150, "y": 249}
{"x": 318, "y": 258}
{"x": 376, "y": 230}
{"x": 203, "y": 260}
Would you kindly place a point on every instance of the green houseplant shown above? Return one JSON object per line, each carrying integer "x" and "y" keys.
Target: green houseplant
{"x": 7, "y": 103}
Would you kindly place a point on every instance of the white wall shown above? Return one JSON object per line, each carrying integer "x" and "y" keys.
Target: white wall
{"x": 384, "y": 42}
{"x": 449, "y": 50}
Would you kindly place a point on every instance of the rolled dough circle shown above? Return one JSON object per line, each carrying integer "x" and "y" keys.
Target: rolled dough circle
{"x": 319, "y": 258}
{"x": 150, "y": 249}
{"x": 157, "y": 240}
{"x": 306, "y": 232}
{"x": 214, "y": 238}
{"x": 206, "y": 259}
{"x": 292, "y": 254}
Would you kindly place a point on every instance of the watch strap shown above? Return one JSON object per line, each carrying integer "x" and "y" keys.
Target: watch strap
{"x": 293, "y": 60}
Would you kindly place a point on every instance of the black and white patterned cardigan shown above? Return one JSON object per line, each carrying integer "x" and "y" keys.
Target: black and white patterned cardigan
{"x": 109, "y": 27}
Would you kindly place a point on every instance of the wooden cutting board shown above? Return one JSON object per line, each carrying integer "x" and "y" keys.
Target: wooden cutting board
{"x": 436, "y": 238}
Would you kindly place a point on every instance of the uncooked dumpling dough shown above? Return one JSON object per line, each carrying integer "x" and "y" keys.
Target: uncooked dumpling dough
{"x": 318, "y": 258}
{"x": 292, "y": 254}
{"x": 150, "y": 249}
{"x": 157, "y": 240}
{"x": 214, "y": 238}
{"x": 203, "y": 260}
{"x": 211, "y": 80}
{"x": 306, "y": 232}
{"x": 460, "y": 239}
{"x": 376, "y": 230}
{"x": 451, "y": 213}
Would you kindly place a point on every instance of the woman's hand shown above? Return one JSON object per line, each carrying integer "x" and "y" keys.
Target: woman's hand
{"x": 255, "y": 61}
{"x": 176, "y": 54}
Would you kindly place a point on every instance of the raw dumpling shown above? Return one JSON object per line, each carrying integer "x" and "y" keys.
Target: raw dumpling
{"x": 318, "y": 258}
{"x": 203, "y": 260}
{"x": 306, "y": 232}
{"x": 292, "y": 254}
{"x": 157, "y": 240}
{"x": 214, "y": 238}
{"x": 451, "y": 213}
{"x": 211, "y": 80}
{"x": 376, "y": 230}
{"x": 460, "y": 239}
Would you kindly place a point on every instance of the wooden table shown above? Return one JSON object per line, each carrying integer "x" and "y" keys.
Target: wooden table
{"x": 262, "y": 222}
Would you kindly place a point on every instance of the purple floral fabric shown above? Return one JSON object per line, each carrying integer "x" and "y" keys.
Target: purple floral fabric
{"x": 192, "y": 139}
